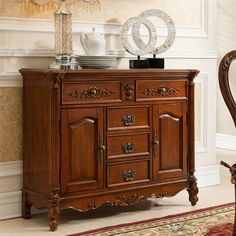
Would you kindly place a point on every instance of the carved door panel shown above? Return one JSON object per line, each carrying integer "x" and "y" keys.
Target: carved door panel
{"x": 169, "y": 141}
{"x": 82, "y": 149}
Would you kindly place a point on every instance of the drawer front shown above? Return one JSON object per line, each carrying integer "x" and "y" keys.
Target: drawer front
{"x": 128, "y": 118}
{"x": 127, "y": 145}
{"x": 91, "y": 92}
{"x": 149, "y": 90}
{"x": 128, "y": 173}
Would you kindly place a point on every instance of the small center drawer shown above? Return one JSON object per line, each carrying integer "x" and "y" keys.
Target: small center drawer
{"x": 128, "y": 118}
{"x": 128, "y": 173}
{"x": 91, "y": 92}
{"x": 127, "y": 145}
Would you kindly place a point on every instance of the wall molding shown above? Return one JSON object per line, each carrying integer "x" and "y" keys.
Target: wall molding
{"x": 201, "y": 145}
{"x": 10, "y": 202}
{"x": 10, "y": 168}
{"x": 44, "y": 53}
{"x": 46, "y": 26}
{"x": 10, "y": 80}
{"x": 208, "y": 175}
{"x": 226, "y": 141}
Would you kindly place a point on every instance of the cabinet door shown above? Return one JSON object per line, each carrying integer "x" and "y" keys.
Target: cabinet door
{"x": 82, "y": 149}
{"x": 169, "y": 141}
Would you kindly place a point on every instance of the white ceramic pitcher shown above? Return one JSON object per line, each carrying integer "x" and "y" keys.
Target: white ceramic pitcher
{"x": 93, "y": 43}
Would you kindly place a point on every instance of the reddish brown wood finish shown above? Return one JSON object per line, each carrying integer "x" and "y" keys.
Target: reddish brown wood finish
{"x": 231, "y": 104}
{"x": 224, "y": 83}
{"x": 96, "y": 136}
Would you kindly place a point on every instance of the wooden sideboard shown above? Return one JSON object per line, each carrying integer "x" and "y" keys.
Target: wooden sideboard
{"x": 96, "y": 136}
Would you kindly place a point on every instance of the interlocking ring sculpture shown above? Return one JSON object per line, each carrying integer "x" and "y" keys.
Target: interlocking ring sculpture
{"x": 143, "y": 48}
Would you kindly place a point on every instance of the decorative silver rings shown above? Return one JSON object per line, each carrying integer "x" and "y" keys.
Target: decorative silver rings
{"x": 141, "y": 48}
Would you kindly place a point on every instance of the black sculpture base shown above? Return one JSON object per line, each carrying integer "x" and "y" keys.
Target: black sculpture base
{"x": 156, "y": 63}
{"x": 138, "y": 64}
{"x": 147, "y": 63}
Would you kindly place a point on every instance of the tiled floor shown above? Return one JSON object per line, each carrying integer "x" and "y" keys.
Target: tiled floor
{"x": 72, "y": 221}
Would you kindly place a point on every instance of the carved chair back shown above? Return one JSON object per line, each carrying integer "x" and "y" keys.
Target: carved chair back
{"x": 230, "y": 102}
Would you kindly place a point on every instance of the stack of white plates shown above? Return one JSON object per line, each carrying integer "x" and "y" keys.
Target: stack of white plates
{"x": 96, "y": 62}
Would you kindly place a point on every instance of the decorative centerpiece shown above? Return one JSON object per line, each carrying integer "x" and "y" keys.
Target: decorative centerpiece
{"x": 141, "y": 48}
{"x": 63, "y": 38}
{"x": 63, "y": 32}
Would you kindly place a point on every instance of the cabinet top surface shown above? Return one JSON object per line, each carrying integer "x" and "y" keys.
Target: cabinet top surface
{"x": 117, "y": 72}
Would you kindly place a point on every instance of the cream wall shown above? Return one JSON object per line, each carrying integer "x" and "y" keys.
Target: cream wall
{"x": 226, "y": 42}
{"x": 27, "y": 40}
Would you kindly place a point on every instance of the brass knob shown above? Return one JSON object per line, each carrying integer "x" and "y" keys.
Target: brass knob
{"x": 103, "y": 148}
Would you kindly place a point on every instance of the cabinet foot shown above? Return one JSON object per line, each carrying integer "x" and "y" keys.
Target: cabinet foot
{"x": 54, "y": 211}
{"x": 193, "y": 191}
{"x": 26, "y": 206}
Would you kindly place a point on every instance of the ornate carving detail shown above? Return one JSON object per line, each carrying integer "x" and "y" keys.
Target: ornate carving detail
{"x": 92, "y": 92}
{"x": 193, "y": 191}
{"x": 128, "y": 175}
{"x": 224, "y": 83}
{"x": 124, "y": 200}
{"x": 161, "y": 91}
{"x": 165, "y": 194}
{"x": 54, "y": 210}
{"x": 128, "y": 120}
{"x": 127, "y": 147}
{"x": 129, "y": 89}
{"x": 58, "y": 78}
{"x": 92, "y": 206}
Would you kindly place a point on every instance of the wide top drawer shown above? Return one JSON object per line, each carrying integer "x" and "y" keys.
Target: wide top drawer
{"x": 91, "y": 92}
{"x": 149, "y": 90}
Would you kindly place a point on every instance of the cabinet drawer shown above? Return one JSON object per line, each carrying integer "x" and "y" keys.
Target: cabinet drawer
{"x": 149, "y": 90}
{"x": 91, "y": 92}
{"x": 127, "y": 145}
{"x": 128, "y": 118}
{"x": 127, "y": 173}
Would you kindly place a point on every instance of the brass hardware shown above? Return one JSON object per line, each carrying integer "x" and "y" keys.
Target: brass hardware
{"x": 155, "y": 143}
{"x": 128, "y": 175}
{"x": 128, "y": 120}
{"x": 128, "y": 147}
{"x": 101, "y": 148}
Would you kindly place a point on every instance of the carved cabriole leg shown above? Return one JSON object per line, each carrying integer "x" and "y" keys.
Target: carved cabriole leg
{"x": 26, "y": 206}
{"x": 54, "y": 210}
{"x": 193, "y": 190}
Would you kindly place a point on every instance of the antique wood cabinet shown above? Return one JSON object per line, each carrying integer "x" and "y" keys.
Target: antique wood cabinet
{"x": 96, "y": 136}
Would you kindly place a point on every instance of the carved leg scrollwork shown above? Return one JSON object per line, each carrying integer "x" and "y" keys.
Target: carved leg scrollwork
{"x": 193, "y": 191}
{"x": 26, "y": 206}
{"x": 54, "y": 211}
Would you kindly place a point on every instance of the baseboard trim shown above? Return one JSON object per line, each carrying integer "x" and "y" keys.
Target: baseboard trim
{"x": 208, "y": 175}
{"x": 10, "y": 202}
{"x": 10, "y": 205}
{"x": 9, "y": 169}
{"x": 226, "y": 141}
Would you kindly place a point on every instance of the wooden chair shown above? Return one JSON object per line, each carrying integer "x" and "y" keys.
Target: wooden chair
{"x": 230, "y": 102}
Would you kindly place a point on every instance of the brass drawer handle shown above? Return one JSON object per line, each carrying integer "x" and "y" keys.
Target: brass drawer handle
{"x": 127, "y": 147}
{"x": 155, "y": 143}
{"x": 128, "y": 175}
{"x": 128, "y": 120}
{"x": 101, "y": 148}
